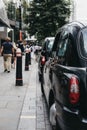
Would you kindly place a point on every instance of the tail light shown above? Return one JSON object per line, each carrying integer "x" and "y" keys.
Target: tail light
{"x": 74, "y": 92}
{"x": 43, "y": 60}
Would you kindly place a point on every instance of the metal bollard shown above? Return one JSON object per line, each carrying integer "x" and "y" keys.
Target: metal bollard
{"x": 19, "y": 80}
{"x": 29, "y": 56}
{"x": 27, "y": 59}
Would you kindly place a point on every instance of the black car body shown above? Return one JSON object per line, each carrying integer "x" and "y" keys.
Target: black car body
{"x": 44, "y": 55}
{"x": 65, "y": 77}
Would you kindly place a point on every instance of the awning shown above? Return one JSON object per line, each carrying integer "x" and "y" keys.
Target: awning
{"x": 4, "y": 24}
{"x": 30, "y": 39}
{"x": 3, "y": 15}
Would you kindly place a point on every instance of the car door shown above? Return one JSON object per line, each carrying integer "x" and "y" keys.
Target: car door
{"x": 82, "y": 50}
{"x": 47, "y": 75}
{"x": 61, "y": 74}
{"x": 61, "y": 52}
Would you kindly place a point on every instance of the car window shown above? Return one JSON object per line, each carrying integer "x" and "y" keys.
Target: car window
{"x": 56, "y": 41}
{"x": 44, "y": 46}
{"x": 50, "y": 45}
{"x": 62, "y": 52}
{"x": 66, "y": 52}
{"x": 62, "y": 48}
{"x": 71, "y": 54}
{"x": 83, "y": 42}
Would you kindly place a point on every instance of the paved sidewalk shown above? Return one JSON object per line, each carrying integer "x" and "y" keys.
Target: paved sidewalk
{"x": 11, "y": 98}
{"x": 34, "y": 113}
{"x": 22, "y": 107}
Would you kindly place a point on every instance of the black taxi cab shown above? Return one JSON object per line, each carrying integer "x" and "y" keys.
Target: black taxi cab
{"x": 65, "y": 77}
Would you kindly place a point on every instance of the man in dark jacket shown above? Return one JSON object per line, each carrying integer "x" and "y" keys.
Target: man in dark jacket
{"x": 7, "y": 50}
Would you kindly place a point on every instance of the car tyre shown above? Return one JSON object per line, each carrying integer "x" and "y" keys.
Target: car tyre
{"x": 39, "y": 77}
{"x": 52, "y": 115}
{"x": 42, "y": 89}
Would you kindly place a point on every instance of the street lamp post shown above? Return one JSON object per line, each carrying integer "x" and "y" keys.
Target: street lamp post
{"x": 20, "y": 22}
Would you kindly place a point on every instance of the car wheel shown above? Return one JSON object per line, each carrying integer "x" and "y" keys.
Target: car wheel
{"x": 52, "y": 115}
{"x": 39, "y": 77}
{"x": 42, "y": 89}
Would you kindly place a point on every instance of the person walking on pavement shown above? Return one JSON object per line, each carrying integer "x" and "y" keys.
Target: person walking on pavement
{"x": 7, "y": 50}
{"x": 21, "y": 46}
{"x": 13, "y": 61}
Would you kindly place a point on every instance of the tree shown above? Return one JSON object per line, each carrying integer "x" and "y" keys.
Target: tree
{"x": 46, "y": 16}
{"x": 11, "y": 11}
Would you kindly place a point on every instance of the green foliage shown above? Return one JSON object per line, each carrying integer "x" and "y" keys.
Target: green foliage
{"x": 46, "y": 16}
{"x": 11, "y": 11}
{"x": 24, "y": 7}
{"x": 42, "y": 17}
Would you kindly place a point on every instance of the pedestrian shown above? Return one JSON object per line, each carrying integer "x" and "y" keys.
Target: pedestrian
{"x": 29, "y": 53}
{"x": 21, "y": 46}
{"x": 13, "y": 61}
{"x": 7, "y": 50}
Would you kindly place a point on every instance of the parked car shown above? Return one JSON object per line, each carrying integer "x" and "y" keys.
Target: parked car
{"x": 44, "y": 55}
{"x": 65, "y": 77}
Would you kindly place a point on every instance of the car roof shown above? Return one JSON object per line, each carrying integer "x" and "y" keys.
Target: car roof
{"x": 81, "y": 24}
{"x": 49, "y": 38}
{"x": 74, "y": 24}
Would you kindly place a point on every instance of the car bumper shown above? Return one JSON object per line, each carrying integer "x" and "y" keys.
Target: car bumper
{"x": 71, "y": 120}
